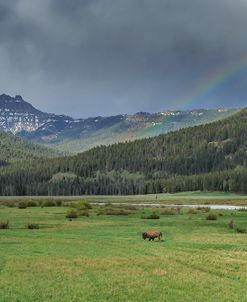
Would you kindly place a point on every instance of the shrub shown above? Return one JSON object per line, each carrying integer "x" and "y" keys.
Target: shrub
{"x": 120, "y": 212}
{"x": 4, "y": 224}
{"x": 59, "y": 203}
{"x": 9, "y": 203}
{"x": 168, "y": 211}
{"x": 241, "y": 230}
{"x": 72, "y": 213}
{"x": 32, "y": 203}
{"x": 22, "y": 205}
{"x": 80, "y": 205}
{"x": 179, "y": 210}
{"x": 211, "y": 216}
{"x": 111, "y": 211}
{"x": 151, "y": 216}
{"x": 231, "y": 225}
{"x": 204, "y": 209}
{"x": 108, "y": 204}
{"x": 39, "y": 202}
{"x": 48, "y": 203}
{"x": 128, "y": 207}
{"x": 84, "y": 213}
{"x": 83, "y": 205}
{"x": 33, "y": 226}
{"x": 192, "y": 211}
{"x": 243, "y": 209}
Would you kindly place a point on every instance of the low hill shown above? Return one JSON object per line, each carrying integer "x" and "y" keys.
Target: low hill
{"x": 206, "y": 157}
{"x": 13, "y": 148}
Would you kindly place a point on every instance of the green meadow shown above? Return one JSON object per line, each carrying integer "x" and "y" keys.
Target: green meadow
{"x": 102, "y": 256}
{"x": 176, "y": 198}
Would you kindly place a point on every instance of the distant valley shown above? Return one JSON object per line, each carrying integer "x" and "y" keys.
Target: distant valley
{"x": 70, "y": 135}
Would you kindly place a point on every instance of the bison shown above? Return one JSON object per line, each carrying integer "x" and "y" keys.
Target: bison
{"x": 151, "y": 235}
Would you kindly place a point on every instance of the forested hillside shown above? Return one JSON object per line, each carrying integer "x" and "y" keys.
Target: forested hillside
{"x": 13, "y": 148}
{"x": 207, "y": 157}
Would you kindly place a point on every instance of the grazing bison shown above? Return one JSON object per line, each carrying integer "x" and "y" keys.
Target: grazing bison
{"x": 151, "y": 235}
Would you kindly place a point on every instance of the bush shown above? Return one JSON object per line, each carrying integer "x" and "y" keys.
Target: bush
{"x": 39, "y": 202}
{"x": 110, "y": 211}
{"x": 168, "y": 211}
{"x": 204, "y": 209}
{"x": 33, "y": 226}
{"x": 48, "y": 203}
{"x": 231, "y": 225}
{"x": 22, "y": 205}
{"x": 242, "y": 210}
{"x": 9, "y": 203}
{"x": 192, "y": 211}
{"x": 4, "y": 225}
{"x": 59, "y": 203}
{"x": 83, "y": 205}
{"x": 84, "y": 213}
{"x": 32, "y": 203}
{"x": 211, "y": 216}
{"x": 151, "y": 216}
{"x": 72, "y": 213}
{"x": 241, "y": 230}
{"x": 80, "y": 205}
{"x": 108, "y": 204}
{"x": 128, "y": 207}
{"x": 120, "y": 212}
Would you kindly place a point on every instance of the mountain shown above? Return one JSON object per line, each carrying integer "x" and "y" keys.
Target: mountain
{"x": 76, "y": 135}
{"x": 206, "y": 157}
{"x": 18, "y": 116}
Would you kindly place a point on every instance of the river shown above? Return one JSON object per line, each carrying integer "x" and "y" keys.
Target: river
{"x": 155, "y": 205}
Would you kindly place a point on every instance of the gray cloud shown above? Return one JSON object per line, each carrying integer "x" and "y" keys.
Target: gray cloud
{"x": 102, "y": 57}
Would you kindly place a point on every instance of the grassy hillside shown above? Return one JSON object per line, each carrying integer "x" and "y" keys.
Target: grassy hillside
{"x": 104, "y": 258}
{"x": 129, "y": 128}
{"x": 13, "y": 148}
{"x": 207, "y": 157}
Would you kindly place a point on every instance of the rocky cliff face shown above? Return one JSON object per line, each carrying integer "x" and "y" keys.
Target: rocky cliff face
{"x": 17, "y": 115}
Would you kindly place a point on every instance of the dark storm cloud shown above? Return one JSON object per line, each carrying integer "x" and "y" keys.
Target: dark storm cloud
{"x": 112, "y": 56}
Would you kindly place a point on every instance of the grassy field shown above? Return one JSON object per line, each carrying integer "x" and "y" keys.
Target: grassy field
{"x": 104, "y": 258}
{"x": 178, "y": 198}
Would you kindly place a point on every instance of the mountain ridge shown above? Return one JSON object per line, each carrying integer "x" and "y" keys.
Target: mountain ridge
{"x": 71, "y": 135}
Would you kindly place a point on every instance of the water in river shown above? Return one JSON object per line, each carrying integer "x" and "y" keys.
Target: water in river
{"x": 155, "y": 205}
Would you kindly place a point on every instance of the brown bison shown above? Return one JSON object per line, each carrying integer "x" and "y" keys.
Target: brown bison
{"x": 151, "y": 235}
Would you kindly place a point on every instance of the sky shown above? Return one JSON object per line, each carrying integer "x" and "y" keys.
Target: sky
{"x": 105, "y": 57}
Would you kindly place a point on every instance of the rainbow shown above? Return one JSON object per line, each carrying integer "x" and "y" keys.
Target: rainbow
{"x": 215, "y": 80}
